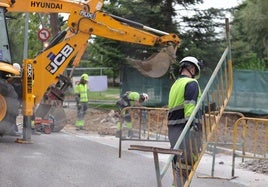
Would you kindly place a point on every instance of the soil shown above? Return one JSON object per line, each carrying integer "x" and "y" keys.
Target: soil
{"x": 103, "y": 122}
{"x": 97, "y": 121}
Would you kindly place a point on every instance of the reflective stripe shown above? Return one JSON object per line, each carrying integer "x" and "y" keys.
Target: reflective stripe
{"x": 80, "y": 123}
{"x": 176, "y": 108}
{"x": 177, "y": 121}
{"x": 190, "y": 102}
{"x": 180, "y": 121}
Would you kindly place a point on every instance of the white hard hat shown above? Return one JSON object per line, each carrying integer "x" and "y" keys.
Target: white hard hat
{"x": 195, "y": 62}
{"x": 17, "y": 66}
{"x": 145, "y": 96}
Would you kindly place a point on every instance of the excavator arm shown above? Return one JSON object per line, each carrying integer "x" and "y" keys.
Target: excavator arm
{"x": 44, "y": 72}
{"x": 85, "y": 19}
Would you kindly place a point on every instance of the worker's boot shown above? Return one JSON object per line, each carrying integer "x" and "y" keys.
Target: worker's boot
{"x": 117, "y": 134}
{"x": 82, "y": 128}
{"x": 130, "y": 133}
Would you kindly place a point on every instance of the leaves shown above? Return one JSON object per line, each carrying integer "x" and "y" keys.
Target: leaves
{"x": 250, "y": 36}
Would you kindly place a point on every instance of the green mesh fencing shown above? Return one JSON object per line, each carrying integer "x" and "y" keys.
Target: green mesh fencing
{"x": 250, "y": 92}
{"x": 250, "y": 89}
{"x": 156, "y": 88}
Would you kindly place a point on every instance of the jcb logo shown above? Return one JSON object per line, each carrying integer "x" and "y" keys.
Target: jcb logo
{"x": 29, "y": 71}
{"x": 29, "y": 78}
{"x": 59, "y": 59}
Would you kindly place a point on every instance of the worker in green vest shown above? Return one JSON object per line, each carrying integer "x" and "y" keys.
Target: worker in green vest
{"x": 81, "y": 97}
{"x": 130, "y": 98}
{"x": 183, "y": 97}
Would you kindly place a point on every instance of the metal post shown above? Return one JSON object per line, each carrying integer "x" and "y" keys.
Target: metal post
{"x": 213, "y": 159}
{"x": 27, "y": 129}
{"x": 157, "y": 169}
{"x": 25, "y": 49}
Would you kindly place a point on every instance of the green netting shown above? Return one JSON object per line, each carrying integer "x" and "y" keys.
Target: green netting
{"x": 250, "y": 92}
{"x": 250, "y": 89}
{"x": 156, "y": 88}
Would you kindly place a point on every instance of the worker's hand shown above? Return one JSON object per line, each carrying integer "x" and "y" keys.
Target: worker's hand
{"x": 195, "y": 127}
{"x": 78, "y": 105}
{"x": 77, "y": 99}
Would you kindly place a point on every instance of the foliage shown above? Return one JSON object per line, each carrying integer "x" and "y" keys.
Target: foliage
{"x": 156, "y": 14}
{"x": 250, "y": 37}
{"x": 16, "y": 35}
{"x": 111, "y": 94}
{"x": 201, "y": 39}
{"x": 35, "y": 45}
{"x": 16, "y": 28}
{"x": 109, "y": 53}
{"x": 254, "y": 64}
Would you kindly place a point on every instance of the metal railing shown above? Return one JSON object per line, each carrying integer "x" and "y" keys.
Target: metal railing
{"x": 147, "y": 124}
{"x": 250, "y": 139}
{"x": 222, "y": 138}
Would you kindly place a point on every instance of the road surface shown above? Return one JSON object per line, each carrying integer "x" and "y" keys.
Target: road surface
{"x": 82, "y": 160}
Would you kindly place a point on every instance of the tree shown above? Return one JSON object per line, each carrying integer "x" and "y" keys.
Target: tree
{"x": 55, "y": 23}
{"x": 147, "y": 12}
{"x": 250, "y": 37}
{"x": 16, "y": 28}
{"x": 15, "y": 25}
{"x": 114, "y": 53}
{"x": 201, "y": 36}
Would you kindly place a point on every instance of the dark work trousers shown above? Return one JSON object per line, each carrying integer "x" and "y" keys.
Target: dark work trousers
{"x": 192, "y": 137}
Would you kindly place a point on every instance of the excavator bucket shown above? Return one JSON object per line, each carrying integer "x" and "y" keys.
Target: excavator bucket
{"x": 157, "y": 64}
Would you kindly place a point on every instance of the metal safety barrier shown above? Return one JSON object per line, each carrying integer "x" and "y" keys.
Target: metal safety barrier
{"x": 143, "y": 124}
{"x": 250, "y": 139}
{"x": 222, "y": 138}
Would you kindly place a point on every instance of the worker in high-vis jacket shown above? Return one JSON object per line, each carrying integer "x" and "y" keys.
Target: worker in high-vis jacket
{"x": 130, "y": 98}
{"x": 81, "y": 97}
{"x": 183, "y": 97}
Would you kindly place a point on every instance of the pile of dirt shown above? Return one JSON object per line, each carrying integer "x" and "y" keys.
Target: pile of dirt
{"x": 258, "y": 166}
{"x": 97, "y": 121}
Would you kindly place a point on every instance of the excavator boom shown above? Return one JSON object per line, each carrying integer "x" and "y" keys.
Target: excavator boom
{"x": 85, "y": 19}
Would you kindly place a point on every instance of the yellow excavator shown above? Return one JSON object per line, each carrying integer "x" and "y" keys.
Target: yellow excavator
{"x": 43, "y": 83}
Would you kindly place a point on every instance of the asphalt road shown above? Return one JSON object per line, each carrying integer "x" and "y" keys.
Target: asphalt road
{"x": 71, "y": 160}
{"x": 65, "y": 160}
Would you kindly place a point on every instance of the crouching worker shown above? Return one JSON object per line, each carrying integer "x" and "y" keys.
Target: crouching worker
{"x": 133, "y": 99}
{"x": 81, "y": 97}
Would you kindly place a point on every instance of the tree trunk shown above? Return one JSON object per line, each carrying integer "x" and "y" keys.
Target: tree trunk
{"x": 54, "y": 23}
